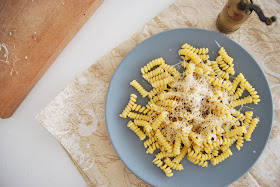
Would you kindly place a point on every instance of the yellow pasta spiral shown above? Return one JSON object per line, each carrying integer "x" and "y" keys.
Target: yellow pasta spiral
{"x": 195, "y": 50}
{"x": 195, "y": 138}
{"x": 226, "y": 84}
{"x": 186, "y": 141}
{"x": 139, "y": 108}
{"x": 173, "y": 165}
{"x": 248, "y": 117}
{"x": 163, "y": 141}
{"x": 204, "y": 57}
{"x": 223, "y": 75}
{"x": 167, "y": 170}
{"x": 136, "y": 130}
{"x": 221, "y": 141}
{"x": 206, "y": 69}
{"x": 225, "y": 56}
{"x": 139, "y": 88}
{"x": 215, "y": 151}
{"x": 221, "y": 157}
{"x": 201, "y": 163}
{"x": 162, "y": 82}
{"x": 190, "y": 68}
{"x": 184, "y": 64}
{"x": 250, "y": 129}
{"x": 168, "y": 103}
{"x": 159, "y": 108}
{"x": 239, "y": 78}
{"x": 242, "y": 101}
{"x": 252, "y": 92}
{"x": 133, "y": 115}
{"x": 198, "y": 155}
{"x": 217, "y": 82}
{"x": 152, "y": 64}
{"x": 224, "y": 147}
{"x": 165, "y": 96}
{"x": 129, "y": 106}
{"x": 237, "y": 94}
{"x": 144, "y": 124}
{"x": 240, "y": 116}
{"x": 196, "y": 148}
{"x": 179, "y": 157}
{"x": 193, "y": 56}
{"x": 158, "y": 77}
{"x": 208, "y": 147}
{"x": 153, "y": 73}
{"x": 150, "y": 141}
{"x": 150, "y": 134}
{"x": 152, "y": 148}
{"x": 239, "y": 142}
{"x": 237, "y": 131}
{"x": 248, "y": 114}
{"x": 163, "y": 154}
{"x": 158, "y": 162}
{"x": 159, "y": 120}
{"x": 154, "y": 91}
{"x": 201, "y": 51}
{"x": 176, "y": 148}
{"x": 249, "y": 88}
{"x": 171, "y": 70}
{"x": 198, "y": 71}
{"x": 218, "y": 71}
{"x": 224, "y": 66}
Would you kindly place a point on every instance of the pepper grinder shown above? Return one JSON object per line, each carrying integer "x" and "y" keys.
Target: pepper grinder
{"x": 236, "y": 12}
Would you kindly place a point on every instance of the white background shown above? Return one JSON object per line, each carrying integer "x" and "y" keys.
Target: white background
{"x": 29, "y": 154}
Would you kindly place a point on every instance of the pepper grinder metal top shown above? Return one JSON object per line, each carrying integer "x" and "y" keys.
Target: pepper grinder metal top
{"x": 236, "y": 12}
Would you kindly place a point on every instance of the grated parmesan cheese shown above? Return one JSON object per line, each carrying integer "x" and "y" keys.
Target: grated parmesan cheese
{"x": 201, "y": 108}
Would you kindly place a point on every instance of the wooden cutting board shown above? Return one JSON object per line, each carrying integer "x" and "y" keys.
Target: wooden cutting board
{"x": 32, "y": 34}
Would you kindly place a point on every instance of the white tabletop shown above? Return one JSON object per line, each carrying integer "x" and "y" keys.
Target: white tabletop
{"x": 29, "y": 154}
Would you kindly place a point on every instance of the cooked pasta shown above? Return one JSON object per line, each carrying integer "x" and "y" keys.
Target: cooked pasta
{"x": 239, "y": 142}
{"x": 150, "y": 141}
{"x": 136, "y": 130}
{"x": 224, "y": 155}
{"x": 225, "y": 66}
{"x": 153, "y": 73}
{"x": 162, "y": 82}
{"x": 171, "y": 70}
{"x": 225, "y": 56}
{"x": 129, "y": 106}
{"x": 173, "y": 165}
{"x": 188, "y": 53}
{"x": 195, "y": 50}
{"x": 163, "y": 154}
{"x": 201, "y": 163}
{"x": 204, "y": 57}
{"x": 152, "y": 64}
{"x": 158, "y": 77}
{"x": 192, "y": 114}
{"x": 139, "y": 88}
{"x": 251, "y": 128}
{"x": 152, "y": 148}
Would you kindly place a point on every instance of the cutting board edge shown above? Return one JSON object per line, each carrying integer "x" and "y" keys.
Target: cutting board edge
{"x": 13, "y": 107}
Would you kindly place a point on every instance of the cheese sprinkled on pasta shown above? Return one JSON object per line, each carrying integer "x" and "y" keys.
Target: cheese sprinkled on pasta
{"x": 192, "y": 114}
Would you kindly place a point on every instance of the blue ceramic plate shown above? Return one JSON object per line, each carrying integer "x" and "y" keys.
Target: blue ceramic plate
{"x": 131, "y": 150}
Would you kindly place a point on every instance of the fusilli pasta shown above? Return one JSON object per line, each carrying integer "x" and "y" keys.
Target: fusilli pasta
{"x": 192, "y": 114}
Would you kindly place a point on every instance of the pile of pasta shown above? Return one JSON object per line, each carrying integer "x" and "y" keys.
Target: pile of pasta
{"x": 192, "y": 114}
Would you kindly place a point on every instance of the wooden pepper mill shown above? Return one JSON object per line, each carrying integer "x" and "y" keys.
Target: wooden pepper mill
{"x": 236, "y": 12}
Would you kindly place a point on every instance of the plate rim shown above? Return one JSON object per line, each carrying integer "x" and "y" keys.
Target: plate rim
{"x": 171, "y": 30}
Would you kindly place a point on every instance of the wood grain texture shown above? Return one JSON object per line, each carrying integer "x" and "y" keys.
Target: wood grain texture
{"x": 32, "y": 34}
